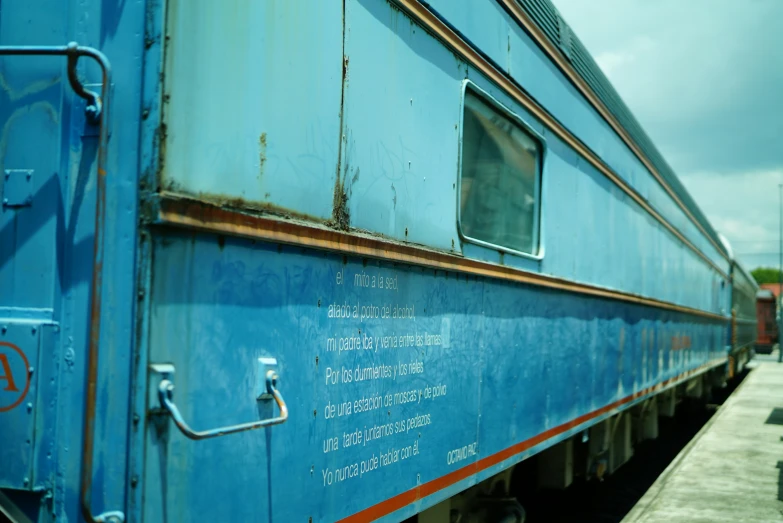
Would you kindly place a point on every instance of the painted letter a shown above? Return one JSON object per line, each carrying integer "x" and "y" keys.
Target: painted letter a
{"x": 6, "y": 375}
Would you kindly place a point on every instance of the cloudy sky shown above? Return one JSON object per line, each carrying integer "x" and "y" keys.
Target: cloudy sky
{"x": 705, "y": 80}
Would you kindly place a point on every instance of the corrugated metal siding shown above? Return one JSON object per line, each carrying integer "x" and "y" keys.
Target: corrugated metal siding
{"x": 546, "y": 16}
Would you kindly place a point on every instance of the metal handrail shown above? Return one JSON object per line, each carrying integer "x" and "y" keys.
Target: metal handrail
{"x": 166, "y": 396}
{"x": 97, "y": 111}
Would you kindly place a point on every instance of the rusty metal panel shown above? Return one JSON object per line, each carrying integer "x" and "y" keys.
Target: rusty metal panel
{"x": 399, "y": 177}
{"x": 252, "y": 103}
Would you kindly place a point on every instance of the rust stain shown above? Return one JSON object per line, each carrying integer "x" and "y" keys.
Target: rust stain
{"x": 236, "y": 205}
{"x": 161, "y": 137}
{"x": 261, "y": 154}
{"x": 341, "y": 218}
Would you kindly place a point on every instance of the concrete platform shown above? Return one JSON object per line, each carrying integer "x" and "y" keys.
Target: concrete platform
{"x": 732, "y": 470}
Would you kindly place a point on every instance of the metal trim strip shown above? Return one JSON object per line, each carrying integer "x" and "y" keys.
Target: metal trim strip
{"x": 179, "y": 211}
{"x": 429, "y": 21}
{"x": 518, "y": 13}
{"x": 404, "y": 499}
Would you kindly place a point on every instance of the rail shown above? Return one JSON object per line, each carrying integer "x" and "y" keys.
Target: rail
{"x": 97, "y": 113}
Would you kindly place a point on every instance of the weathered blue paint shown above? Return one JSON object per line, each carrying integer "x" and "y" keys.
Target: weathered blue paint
{"x": 278, "y": 144}
{"x": 343, "y": 116}
{"x": 500, "y": 350}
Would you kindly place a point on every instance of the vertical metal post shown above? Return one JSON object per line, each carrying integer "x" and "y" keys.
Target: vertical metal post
{"x": 780, "y": 275}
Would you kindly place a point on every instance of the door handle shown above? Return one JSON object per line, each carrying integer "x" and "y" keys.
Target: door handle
{"x": 166, "y": 398}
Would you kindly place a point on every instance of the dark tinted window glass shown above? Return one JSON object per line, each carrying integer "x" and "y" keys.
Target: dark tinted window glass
{"x": 499, "y": 185}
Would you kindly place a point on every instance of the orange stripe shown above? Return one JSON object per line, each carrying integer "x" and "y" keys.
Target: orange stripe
{"x": 179, "y": 210}
{"x": 386, "y": 507}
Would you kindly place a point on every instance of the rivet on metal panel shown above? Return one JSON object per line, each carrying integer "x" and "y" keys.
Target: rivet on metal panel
{"x": 29, "y": 407}
{"x": 30, "y": 369}
{"x": 136, "y": 419}
{"x": 26, "y": 481}
{"x": 4, "y": 329}
{"x": 18, "y": 188}
{"x": 34, "y": 329}
{"x": 134, "y": 481}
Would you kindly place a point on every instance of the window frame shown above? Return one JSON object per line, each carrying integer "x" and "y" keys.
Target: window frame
{"x": 538, "y": 230}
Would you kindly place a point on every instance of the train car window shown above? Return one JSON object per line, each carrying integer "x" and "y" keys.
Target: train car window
{"x": 499, "y": 183}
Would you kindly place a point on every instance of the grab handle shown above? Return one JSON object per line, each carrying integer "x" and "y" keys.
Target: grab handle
{"x": 166, "y": 397}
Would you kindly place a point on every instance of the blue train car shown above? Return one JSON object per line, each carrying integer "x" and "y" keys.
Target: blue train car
{"x": 331, "y": 261}
{"x": 744, "y": 318}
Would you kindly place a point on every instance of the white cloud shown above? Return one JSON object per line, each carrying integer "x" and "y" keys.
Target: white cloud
{"x": 703, "y": 77}
{"x": 694, "y": 73}
{"x": 611, "y": 62}
{"x": 745, "y": 208}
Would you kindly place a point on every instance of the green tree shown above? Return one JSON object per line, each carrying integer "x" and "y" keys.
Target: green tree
{"x": 765, "y": 275}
